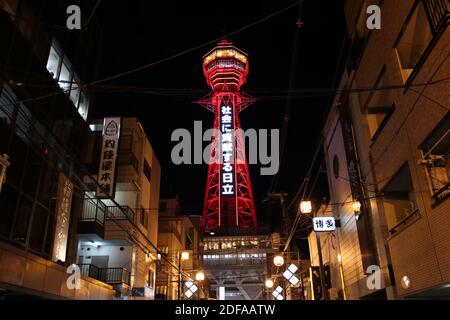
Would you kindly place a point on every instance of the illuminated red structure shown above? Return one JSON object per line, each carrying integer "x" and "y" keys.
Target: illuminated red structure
{"x": 228, "y": 200}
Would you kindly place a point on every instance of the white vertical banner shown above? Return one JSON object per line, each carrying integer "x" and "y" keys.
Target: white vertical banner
{"x": 63, "y": 208}
{"x": 108, "y": 158}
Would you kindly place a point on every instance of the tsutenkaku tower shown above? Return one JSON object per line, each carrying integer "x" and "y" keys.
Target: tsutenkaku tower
{"x": 228, "y": 200}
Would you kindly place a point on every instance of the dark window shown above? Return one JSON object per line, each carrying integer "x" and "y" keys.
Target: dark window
{"x": 32, "y": 173}
{"x": 22, "y": 220}
{"x": 18, "y": 155}
{"x": 379, "y": 107}
{"x": 399, "y": 199}
{"x": 126, "y": 143}
{"x": 336, "y": 166}
{"x": 147, "y": 170}
{"x": 415, "y": 37}
{"x": 162, "y": 206}
{"x": 38, "y": 225}
{"x": 48, "y": 185}
{"x": 49, "y": 236}
{"x": 8, "y": 200}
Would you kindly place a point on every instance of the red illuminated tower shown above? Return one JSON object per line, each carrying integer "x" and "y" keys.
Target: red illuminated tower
{"x": 228, "y": 203}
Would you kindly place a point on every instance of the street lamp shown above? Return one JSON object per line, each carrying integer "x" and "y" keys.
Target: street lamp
{"x": 200, "y": 276}
{"x": 269, "y": 283}
{"x": 278, "y": 261}
{"x": 183, "y": 256}
{"x": 356, "y": 205}
{"x": 305, "y": 207}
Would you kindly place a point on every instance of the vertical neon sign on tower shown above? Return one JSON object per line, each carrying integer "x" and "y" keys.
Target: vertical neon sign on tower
{"x": 228, "y": 198}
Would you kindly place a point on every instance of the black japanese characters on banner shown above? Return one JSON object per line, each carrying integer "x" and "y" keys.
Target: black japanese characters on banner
{"x": 108, "y": 159}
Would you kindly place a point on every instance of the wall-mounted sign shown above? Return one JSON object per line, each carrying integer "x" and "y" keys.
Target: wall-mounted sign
{"x": 228, "y": 146}
{"x": 108, "y": 159}
{"x": 63, "y": 205}
{"x": 324, "y": 224}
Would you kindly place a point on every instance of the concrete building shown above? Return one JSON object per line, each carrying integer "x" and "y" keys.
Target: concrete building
{"x": 387, "y": 147}
{"x": 43, "y": 139}
{"x": 117, "y": 237}
{"x": 178, "y": 242}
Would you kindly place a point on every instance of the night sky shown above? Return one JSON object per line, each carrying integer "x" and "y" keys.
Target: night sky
{"x": 139, "y": 32}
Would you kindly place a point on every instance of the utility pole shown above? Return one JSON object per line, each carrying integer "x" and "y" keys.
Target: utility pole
{"x": 179, "y": 275}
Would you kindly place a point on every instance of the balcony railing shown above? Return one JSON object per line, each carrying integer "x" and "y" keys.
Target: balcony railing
{"x": 120, "y": 213}
{"x": 107, "y": 275}
{"x": 89, "y": 270}
{"x": 93, "y": 210}
{"x": 115, "y": 275}
{"x": 438, "y": 12}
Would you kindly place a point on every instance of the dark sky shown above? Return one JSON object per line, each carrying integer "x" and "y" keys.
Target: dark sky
{"x": 138, "y": 32}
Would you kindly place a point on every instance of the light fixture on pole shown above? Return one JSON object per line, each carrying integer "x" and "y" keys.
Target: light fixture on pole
{"x": 200, "y": 276}
{"x": 305, "y": 207}
{"x": 182, "y": 256}
{"x": 356, "y": 205}
{"x": 185, "y": 255}
{"x": 278, "y": 261}
{"x": 269, "y": 283}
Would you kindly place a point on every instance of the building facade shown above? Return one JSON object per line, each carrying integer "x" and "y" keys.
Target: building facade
{"x": 117, "y": 237}
{"x": 387, "y": 148}
{"x": 43, "y": 112}
{"x": 179, "y": 239}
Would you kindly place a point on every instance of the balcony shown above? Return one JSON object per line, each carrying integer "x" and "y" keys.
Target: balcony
{"x": 96, "y": 215}
{"x": 438, "y": 12}
{"x": 111, "y": 276}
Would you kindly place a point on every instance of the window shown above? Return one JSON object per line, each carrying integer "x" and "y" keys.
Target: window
{"x": 54, "y": 59}
{"x": 7, "y": 100}
{"x": 8, "y": 200}
{"x": 415, "y": 37}
{"x": 436, "y": 160}
{"x": 162, "y": 207}
{"x": 61, "y": 69}
{"x": 147, "y": 170}
{"x": 126, "y": 143}
{"x": 336, "y": 166}
{"x": 379, "y": 106}
{"x": 399, "y": 198}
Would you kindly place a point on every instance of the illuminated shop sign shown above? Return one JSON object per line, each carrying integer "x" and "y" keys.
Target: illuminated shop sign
{"x": 63, "y": 205}
{"x": 324, "y": 224}
{"x": 228, "y": 146}
{"x": 108, "y": 159}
